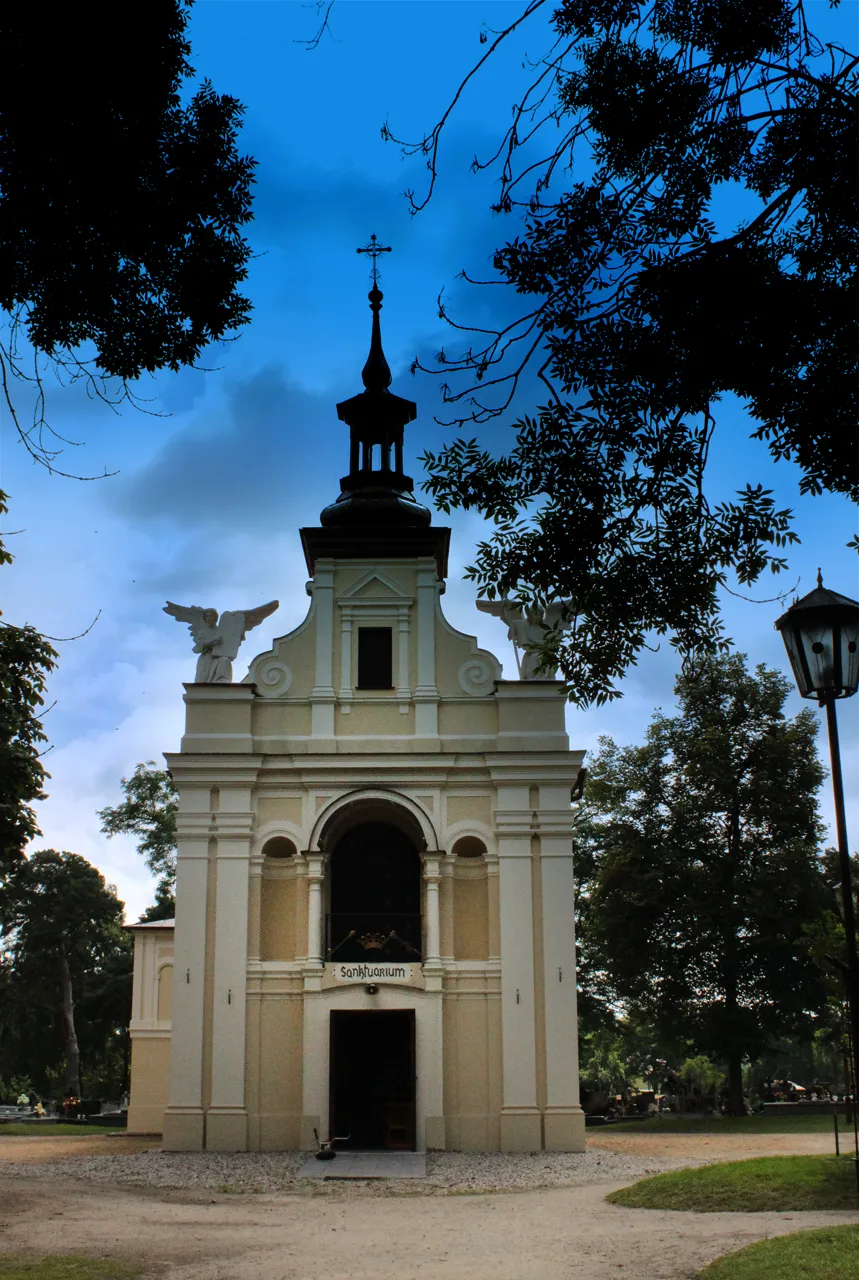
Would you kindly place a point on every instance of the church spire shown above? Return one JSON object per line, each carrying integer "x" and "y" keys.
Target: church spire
{"x": 376, "y": 374}
{"x": 376, "y": 491}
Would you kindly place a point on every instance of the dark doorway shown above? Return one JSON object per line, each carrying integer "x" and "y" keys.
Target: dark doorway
{"x": 372, "y": 1080}
{"x": 375, "y": 896}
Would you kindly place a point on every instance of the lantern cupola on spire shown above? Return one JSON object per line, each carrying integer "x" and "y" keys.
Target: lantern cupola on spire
{"x": 376, "y": 492}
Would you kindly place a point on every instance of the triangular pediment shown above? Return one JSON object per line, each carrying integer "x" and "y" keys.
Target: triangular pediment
{"x": 377, "y": 585}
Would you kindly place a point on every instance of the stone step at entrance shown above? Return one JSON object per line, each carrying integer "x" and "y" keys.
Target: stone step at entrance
{"x": 367, "y": 1164}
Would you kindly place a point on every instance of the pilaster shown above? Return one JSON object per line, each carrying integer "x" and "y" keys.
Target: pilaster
{"x": 255, "y": 906}
{"x": 322, "y": 696}
{"x": 446, "y": 911}
{"x": 426, "y": 694}
{"x": 520, "y": 1115}
{"x": 226, "y": 1121}
{"x": 402, "y": 668}
{"x": 183, "y": 1120}
{"x": 346, "y": 629}
{"x": 564, "y": 1128}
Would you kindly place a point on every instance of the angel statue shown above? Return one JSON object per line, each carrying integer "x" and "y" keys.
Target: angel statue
{"x": 527, "y": 629}
{"x": 217, "y": 640}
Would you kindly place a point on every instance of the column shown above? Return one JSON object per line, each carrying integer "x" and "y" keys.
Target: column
{"x": 322, "y": 696}
{"x": 433, "y": 935}
{"x": 564, "y": 1123}
{"x": 430, "y": 1049}
{"x": 226, "y": 1122}
{"x": 316, "y": 1014}
{"x": 446, "y": 910}
{"x": 521, "y": 1128}
{"x": 183, "y": 1120}
{"x": 314, "y": 908}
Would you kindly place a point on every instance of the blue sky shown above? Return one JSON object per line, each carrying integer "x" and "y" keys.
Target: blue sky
{"x": 213, "y": 487}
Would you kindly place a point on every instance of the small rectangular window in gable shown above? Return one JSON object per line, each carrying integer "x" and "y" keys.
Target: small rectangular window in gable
{"x": 375, "y": 658}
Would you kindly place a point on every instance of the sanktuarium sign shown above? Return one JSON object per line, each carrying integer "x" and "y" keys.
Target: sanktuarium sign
{"x": 379, "y": 972}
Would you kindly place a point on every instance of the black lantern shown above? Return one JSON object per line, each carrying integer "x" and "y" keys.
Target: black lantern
{"x": 821, "y": 635}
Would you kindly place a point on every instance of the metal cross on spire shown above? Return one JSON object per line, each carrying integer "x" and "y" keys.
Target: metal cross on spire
{"x": 374, "y": 249}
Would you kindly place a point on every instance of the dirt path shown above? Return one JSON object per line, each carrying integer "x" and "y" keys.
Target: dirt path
{"x": 716, "y": 1146}
{"x": 563, "y": 1234}
{"x": 25, "y": 1150}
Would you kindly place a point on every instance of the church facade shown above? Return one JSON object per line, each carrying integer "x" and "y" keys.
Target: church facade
{"x": 374, "y": 923}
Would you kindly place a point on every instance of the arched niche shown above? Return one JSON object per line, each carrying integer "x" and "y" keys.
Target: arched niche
{"x": 469, "y": 847}
{"x": 165, "y": 993}
{"x": 470, "y": 899}
{"x": 279, "y": 848}
{"x": 278, "y": 902}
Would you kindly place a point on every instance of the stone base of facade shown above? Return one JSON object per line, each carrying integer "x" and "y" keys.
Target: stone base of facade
{"x": 308, "y": 1138}
{"x": 434, "y": 1133}
{"x": 274, "y": 1131}
{"x": 227, "y": 1129}
{"x": 144, "y": 1119}
{"x": 521, "y": 1129}
{"x": 183, "y": 1129}
{"x": 564, "y": 1129}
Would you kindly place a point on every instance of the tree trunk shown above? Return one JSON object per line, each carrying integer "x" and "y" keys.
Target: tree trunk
{"x": 731, "y": 968}
{"x": 736, "y": 1102}
{"x": 73, "y": 1054}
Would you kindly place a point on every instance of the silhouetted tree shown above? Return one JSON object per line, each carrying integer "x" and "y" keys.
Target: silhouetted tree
{"x": 645, "y": 304}
{"x": 122, "y": 198}
{"x": 26, "y": 660}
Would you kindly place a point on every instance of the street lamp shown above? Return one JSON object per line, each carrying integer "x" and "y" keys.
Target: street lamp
{"x": 821, "y": 635}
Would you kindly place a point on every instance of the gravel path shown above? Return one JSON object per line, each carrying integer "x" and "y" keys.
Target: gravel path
{"x": 448, "y": 1172}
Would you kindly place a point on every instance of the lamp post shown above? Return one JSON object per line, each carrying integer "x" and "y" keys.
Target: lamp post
{"x": 821, "y": 635}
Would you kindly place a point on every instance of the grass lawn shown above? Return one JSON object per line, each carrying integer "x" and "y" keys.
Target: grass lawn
{"x": 13, "y": 1267}
{"x": 56, "y": 1130}
{"x": 731, "y": 1124}
{"x": 778, "y": 1183}
{"x": 830, "y": 1254}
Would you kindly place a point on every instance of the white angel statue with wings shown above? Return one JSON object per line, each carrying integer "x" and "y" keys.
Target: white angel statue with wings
{"x": 527, "y": 629}
{"x": 216, "y": 639}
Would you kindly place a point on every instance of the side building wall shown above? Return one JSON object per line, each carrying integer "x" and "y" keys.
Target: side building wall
{"x": 150, "y": 1027}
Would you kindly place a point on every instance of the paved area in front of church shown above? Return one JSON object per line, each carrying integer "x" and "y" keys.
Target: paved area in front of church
{"x": 367, "y": 1164}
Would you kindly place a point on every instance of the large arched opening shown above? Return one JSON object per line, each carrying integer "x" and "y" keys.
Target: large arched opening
{"x": 374, "y": 893}
{"x": 373, "y": 843}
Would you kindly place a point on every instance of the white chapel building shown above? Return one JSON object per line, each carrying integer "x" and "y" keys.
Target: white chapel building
{"x": 374, "y": 914}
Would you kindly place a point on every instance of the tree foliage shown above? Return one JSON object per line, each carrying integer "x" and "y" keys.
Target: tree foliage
{"x": 149, "y": 813}
{"x": 645, "y": 303}
{"x": 122, "y": 198}
{"x": 702, "y": 864}
{"x": 26, "y": 661}
{"x": 66, "y": 971}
